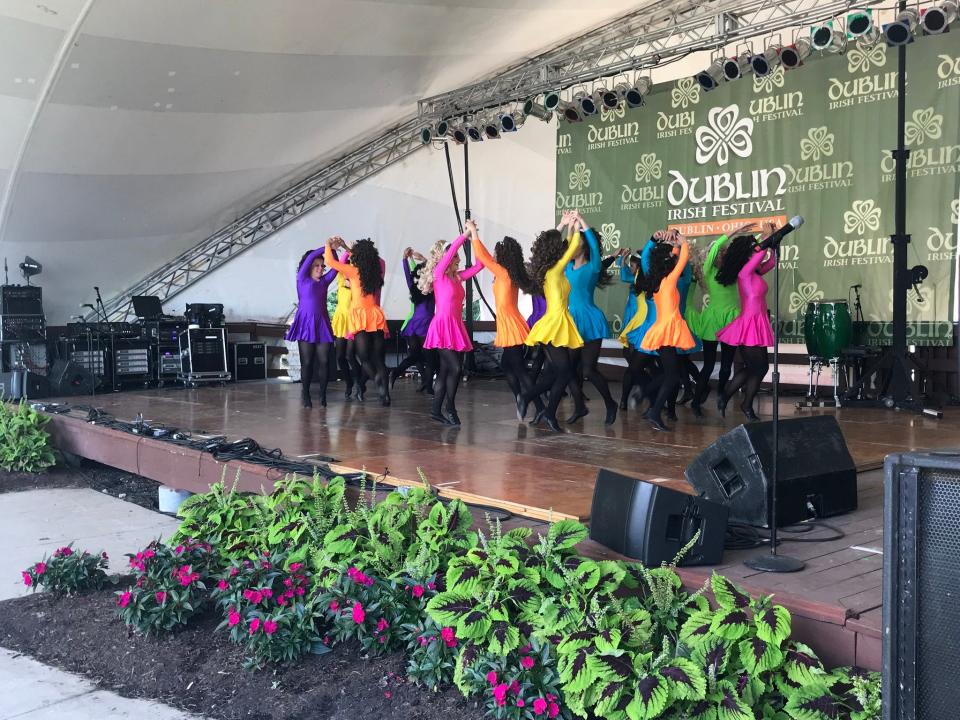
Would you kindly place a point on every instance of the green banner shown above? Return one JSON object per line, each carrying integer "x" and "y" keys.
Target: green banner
{"x": 813, "y": 141}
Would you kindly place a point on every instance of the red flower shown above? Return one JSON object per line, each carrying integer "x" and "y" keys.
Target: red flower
{"x": 27, "y": 580}
{"x": 64, "y": 552}
{"x": 431, "y": 586}
{"x": 233, "y": 619}
{"x": 254, "y": 625}
{"x": 40, "y": 568}
{"x": 417, "y": 591}
{"x": 234, "y": 572}
{"x": 223, "y": 585}
{"x": 161, "y": 596}
{"x": 178, "y": 550}
{"x": 449, "y": 637}
{"x": 148, "y": 554}
{"x": 334, "y": 606}
{"x": 281, "y": 601}
{"x": 269, "y": 627}
{"x": 520, "y": 702}
{"x": 527, "y": 662}
{"x": 299, "y": 591}
{"x": 554, "y": 710}
{"x": 295, "y": 566}
{"x": 492, "y": 677}
{"x": 124, "y": 599}
{"x": 358, "y": 614}
{"x": 539, "y": 706}
{"x": 388, "y": 694}
{"x": 382, "y": 624}
{"x": 500, "y": 694}
{"x": 267, "y": 592}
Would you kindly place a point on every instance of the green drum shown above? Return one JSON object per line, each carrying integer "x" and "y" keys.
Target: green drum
{"x": 827, "y": 328}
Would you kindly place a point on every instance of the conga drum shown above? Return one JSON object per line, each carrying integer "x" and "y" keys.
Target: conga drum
{"x": 827, "y": 328}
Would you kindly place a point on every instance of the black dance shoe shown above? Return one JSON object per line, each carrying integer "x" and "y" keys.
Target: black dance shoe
{"x": 348, "y": 393}
{"x": 439, "y": 418}
{"x": 577, "y": 414}
{"x": 522, "y": 407}
{"x": 323, "y": 400}
{"x": 551, "y": 422}
{"x": 655, "y": 422}
{"x": 623, "y": 402}
{"x": 749, "y": 414}
{"x": 538, "y": 417}
{"x": 722, "y": 401}
{"x": 672, "y": 415}
{"x": 453, "y": 418}
{"x": 385, "y": 400}
{"x": 305, "y": 399}
{"x": 393, "y": 377}
{"x": 688, "y": 395}
{"x": 360, "y": 391}
{"x": 611, "y": 414}
{"x": 696, "y": 408}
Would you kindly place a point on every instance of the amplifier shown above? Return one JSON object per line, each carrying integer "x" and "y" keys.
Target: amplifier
{"x": 23, "y": 328}
{"x": 26, "y": 356}
{"x": 21, "y": 300}
{"x": 122, "y": 330}
{"x": 91, "y": 360}
{"x": 165, "y": 332}
{"x": 168, "y": 361}
{"x": 248, "y": 361}
{"x": 132, "y": 360}
{"x": 206, "y": 315}
{"x": 203, "y": 352}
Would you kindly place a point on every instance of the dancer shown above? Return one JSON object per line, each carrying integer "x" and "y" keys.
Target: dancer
{"x": 343, "y": 341}
{"x": 510, "y": 276}
{"x": 688, "y": 371}
{"x": 723, "y": 308}
{"x": 644, "y": 367}
{"x": 556, "y": 329}
{"x": 415, "y": 329}
{"x": 536, "y": 355}
{"x": 311, "y": 327}
{"x": 669, "y": 334}
{"x": 367, "y": 322}
{"x": 629, "y": 267}
{"x": 745, "y": 263}
{"x": 447, "y": 332}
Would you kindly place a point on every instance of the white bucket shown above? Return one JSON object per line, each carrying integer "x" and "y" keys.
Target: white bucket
{"x": 170, "y": 499}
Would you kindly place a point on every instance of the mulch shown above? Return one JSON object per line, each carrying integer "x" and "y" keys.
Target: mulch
{"x": 102, "y": 478}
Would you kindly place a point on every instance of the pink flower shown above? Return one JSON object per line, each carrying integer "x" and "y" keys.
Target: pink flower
{"x": 520, "y": 702}
{"x": 539, "y": 706}
{"x": 358, "y": 614}
{"x": 554, "y": 710}
{"x": 288, "y": 582}
{"x": 178, "y": 550}
{"x": 500, "y": 694}
{"x": 27, "y": 580}
{"x": 161, "y": 596}
{"x": 282, "y": 601}
{"x": 388, "y": 694}
{"x": 295, "y": 566}
{"x": 431, "y": 586}
{"x": 124, "y": 599}
{"x": 267, "y": 592}
{"x": 40, "y": 568}
{"x": 525, "y": 650}
{"x": 382, "y": 624}
{"x": 527, "y": 662}
{"x": 233, "y": 619}
{"x": 148, "y": 554}
{"x": 223, "y": 585}
{"x": 269, "y": 627}
{"x": 492, "y": 677}
{"x": 334, "y": 606}
{"x": 254, "y": 625}
{"x": 449, "y": 637}
{"x": 417, "y": 591}
{"x": 299, "y": 591}
{"x": 64, "y": 552}
{"x": 551, "y": 698}
{"x": 234, "y": 572}
{"x": 423, "y": 641}
{"x": 254, "y": 596}
{"x": 288, "y": 594}
{"x": 514, "y": 688}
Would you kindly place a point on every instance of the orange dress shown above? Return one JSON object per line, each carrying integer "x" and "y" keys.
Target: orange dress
{"x": 365, "y": 314}
{"x": 511, "y": 325}
{"x": 670, "y": 329}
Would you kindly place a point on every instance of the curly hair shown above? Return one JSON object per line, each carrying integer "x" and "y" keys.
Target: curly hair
{"x": 547, "y": 250}
{"x": 738, "y": 252}
{"x": 662, "y": 261}
{"x": 417, "y": 296}
{"x": 366, "y": 259}
{"x": 509, "y": 254}
{"x": 437, "y": 251}
{"x": 639, "y": 279}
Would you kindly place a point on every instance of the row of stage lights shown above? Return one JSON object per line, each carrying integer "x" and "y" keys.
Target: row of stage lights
{"x": 581, "y": 105}
{"x": 826, "y": 38}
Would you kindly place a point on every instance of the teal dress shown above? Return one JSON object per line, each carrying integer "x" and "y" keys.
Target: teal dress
{"x": 590, "y": 321}
{"x": 627, "y": 276}
{"x": 635, "y": 336}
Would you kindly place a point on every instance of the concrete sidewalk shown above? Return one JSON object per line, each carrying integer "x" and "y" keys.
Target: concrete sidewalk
{"x": 37, "y": 522}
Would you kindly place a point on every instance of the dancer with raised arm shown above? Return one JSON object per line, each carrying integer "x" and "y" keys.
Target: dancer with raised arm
{"x": 311, "y": 328}
{"x": 629, "y": 266}
{"x": 343, "y": 344}
{"x": 367, "y": 323}
{"x": 509, "y": 277}
{"x": 447, "y": 332}
{"x": 415, "y": 329}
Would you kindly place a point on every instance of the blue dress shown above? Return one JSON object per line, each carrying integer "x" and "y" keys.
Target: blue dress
{"x": 590, "y": 321}
{"x": 626, "y": 276}
{"x": 635, "y": 336}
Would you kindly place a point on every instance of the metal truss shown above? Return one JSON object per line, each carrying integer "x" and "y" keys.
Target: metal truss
{"x": 650, "y": 36}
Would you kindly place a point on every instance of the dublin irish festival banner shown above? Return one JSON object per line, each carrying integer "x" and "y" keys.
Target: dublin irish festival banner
{"x": 813, "y": 141}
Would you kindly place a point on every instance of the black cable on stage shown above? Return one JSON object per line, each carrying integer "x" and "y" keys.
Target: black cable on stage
{"x": 746, "y": 537}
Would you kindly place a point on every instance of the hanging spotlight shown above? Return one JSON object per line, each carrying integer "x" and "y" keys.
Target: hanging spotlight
{"x": 588, "y": 106}
{"x": 570, "y": 111}
{"x": 491, "y": 129}
{"x": 609, "y": 99}
{"x": 537, "y": 109}
{"x": 936, "y": 20}
{"x": 459, "y": 135}
{"x": 551, "y": 101}
{"x": 426, "y": 135}
{"x": 511, "y": 122}
{"x": 473, "y": 132}
{"x": 735, "y": 67}
{"x": 793, "y": 56}
{"x": 825, "y": 39}
{"x": 441, "y": 129}
{"x": 764, "y": 63}
{"x": 711, "y": 77}
{"x": 859, "y": 23}
{"x": 633, "y": 95}
{"x": 437, "y": 131}
{"x": 900, "y": 31}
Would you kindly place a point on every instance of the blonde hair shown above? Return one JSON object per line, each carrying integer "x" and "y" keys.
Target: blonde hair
{"x": 425, "y": 281}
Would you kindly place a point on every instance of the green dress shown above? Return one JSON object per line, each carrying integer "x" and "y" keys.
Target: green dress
{"x": 724, "y": 305}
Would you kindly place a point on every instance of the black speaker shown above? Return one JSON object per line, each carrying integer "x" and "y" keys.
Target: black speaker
{"x": 921, "y": 584}
{"x": 68, "y": 378}
{"x": 815, "y": 471}
{"x": 23, "y": 384}
{"x": 651, "y": 523}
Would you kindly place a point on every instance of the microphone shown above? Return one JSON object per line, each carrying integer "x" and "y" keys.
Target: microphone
{"x": 774, "y": 240}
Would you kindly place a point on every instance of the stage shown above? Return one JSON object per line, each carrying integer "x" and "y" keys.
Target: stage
{"x": 495, "y": 461}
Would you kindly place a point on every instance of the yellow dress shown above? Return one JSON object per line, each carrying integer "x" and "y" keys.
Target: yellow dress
{"x": 636, "y": 321}
{"x": 556, "y": 327}
{"x": 341, "y": 316}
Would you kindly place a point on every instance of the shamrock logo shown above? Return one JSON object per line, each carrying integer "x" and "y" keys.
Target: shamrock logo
{"x": 803, "y": 295}
{"x": 863, "y": 215}
{"x": 705, "y": 301}
{"x": 925, "y": 125}
{"x": 610, "y": 237}
{"x": 580, "y": 177}
{"x": 724, "y": 133}
{"x": 649, "y": 168}
{"x": 685, "y": 93}
{"x": 609, "y": 115}
{"x": 818, "y": 143}
{"x": 863, "y": 58}
{"x": 768, "y": 82}
{"x": 955, "y": 212}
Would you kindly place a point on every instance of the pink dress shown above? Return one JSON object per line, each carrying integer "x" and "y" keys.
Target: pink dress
{"x": 447, "y": 330}
{"x": 752, "y": 327}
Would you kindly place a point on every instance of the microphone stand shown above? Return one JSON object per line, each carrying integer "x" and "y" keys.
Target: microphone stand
{"x": 774, "y": 562}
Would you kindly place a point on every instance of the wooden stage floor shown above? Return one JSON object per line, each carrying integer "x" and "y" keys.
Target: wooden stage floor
{"x": 492, "y": 458}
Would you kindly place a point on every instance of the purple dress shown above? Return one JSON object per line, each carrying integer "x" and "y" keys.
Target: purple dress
{"x": 419, "y": 322}
{"x": 752, "y": 327}
{"x": 311, "y": 323}
{"x": 539, "y": 308}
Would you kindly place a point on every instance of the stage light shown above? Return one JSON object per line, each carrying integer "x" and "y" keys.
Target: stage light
{"x": 793, "y": 56}
{"x": 511, "y": 122}
{"x": 735, "y": 67}
{"x": 825, "y": 39}
{"x": 473, "y": 132}
{"x": 30, "y": 267}
{"x": 426, "y": 135}
{"x": 437, "y": 131}
{"x": 551, "y": 101}
{"x": 609, "y": 99}
{"x": 570, "y": 111}
{"x": 859, "y": 23}
{"x": 711, "y": 77}
{"x": 537, "y": 109}
{"x": 900, "y": 31}
{"x": 588, "y": 106}
{"x": 491, "y": 129}
{"x": 633, "y": 95}
{"x": 441, "y": 128}
{"x": 764, "y": 63}
{"x": 936, "y": 20}
{"x": 459, "y": 135}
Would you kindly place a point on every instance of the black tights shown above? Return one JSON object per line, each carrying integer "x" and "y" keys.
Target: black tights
{"x": 749, "y": 377}
{"x": 313, "y": 361}
{"x": 370, "y": 354}
{"x": 672, "y": 378}
{"x": 515, "y": 369}
{"x": 639, "y": 373}
{"x": 350, "y": 369}
{"x": 709, "y": 362}
{"x": 561, "y": 375}
{"x": 448, "y": 381}
{"x": 416, "y": 355}
{"x": 586, "y": 361}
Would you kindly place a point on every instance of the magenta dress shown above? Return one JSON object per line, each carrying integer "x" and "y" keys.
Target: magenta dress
{"x": 752, "y": 327}
{"x": 447, "y": 330}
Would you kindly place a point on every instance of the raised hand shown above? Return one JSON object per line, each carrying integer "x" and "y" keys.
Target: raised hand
{"x": 408, "y": 253}
{"x": 418, "y": 257}
{"x": 471, "y": 228}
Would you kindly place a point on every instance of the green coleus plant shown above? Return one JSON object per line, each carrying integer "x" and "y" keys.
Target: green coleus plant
{"x": 24, "y": 443}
